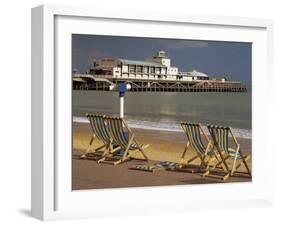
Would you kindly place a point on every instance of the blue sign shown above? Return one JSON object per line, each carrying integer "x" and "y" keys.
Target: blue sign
{"x": 122, "y": 86}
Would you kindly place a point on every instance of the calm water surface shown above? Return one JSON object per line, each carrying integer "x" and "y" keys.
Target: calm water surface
{"x": 168, "y": 109}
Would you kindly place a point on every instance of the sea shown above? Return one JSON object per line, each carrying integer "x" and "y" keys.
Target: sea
{"x": 165, "y": 110}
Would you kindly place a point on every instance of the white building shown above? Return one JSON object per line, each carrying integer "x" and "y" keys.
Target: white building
{"x": 156, "y": 68}
{"x": 192, "y": 76}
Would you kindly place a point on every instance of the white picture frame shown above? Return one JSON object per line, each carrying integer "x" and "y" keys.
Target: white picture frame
{"x": 52, "y": 197}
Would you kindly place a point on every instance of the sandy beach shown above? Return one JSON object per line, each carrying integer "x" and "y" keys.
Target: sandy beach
{"x": 164, "y": 146}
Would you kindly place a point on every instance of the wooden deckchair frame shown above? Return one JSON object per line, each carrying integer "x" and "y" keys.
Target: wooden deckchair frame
{"x": 116, "y": 129}
{"x": 225, "y": 155}
{"x": 107, "y": 146}
{"x": 202, "y": 156}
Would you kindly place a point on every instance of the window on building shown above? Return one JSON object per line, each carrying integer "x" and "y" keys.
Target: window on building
{"x": 157, "y": 70}
{"x": 145, "y": 70}
{"x": 152, "y": 69}
{"x": 132, "y": 68}
{"x": 139, "y": 69}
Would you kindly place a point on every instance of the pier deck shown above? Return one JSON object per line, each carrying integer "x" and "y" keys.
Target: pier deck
{"x": 144, "y": 85}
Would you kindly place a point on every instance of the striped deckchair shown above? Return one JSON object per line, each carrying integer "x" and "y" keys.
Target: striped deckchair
{"x": 195, "y": 139}
{"x": 123, "y": 136}
{"x": 100, "y": 132}
{"x": 221, "y": 140}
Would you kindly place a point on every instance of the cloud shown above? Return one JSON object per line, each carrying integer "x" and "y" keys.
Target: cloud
{"x": 188, "y": 44}
{"x": 89, "y": 52}
{"x": 83, "y": 58}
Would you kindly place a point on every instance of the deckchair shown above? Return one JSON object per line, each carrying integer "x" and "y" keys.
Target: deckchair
{"x": 100, "y": 132}
{"x": 220, "y": 136}
{"x": 162, "y": 165}
{"x": 123, "y": 136}
{"x": 195, "y": 140}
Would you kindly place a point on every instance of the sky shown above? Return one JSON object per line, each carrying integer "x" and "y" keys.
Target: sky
{"x": 215, "y": 58}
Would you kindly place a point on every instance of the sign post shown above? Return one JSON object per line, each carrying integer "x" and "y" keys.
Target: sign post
{"x": 122, "y": 87}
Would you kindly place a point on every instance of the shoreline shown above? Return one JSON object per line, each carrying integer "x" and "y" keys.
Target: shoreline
{"x": 166, "y": 127}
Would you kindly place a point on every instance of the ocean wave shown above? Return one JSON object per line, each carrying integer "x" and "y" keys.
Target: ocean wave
{"x": 170, "y": 127}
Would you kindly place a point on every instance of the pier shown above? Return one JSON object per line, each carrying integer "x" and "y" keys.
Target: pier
{"x": 103, "y": 83}
{"x": 155, "y": 74}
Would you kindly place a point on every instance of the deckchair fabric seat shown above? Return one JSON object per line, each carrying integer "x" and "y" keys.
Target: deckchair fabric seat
{"x": 232, "y": 153}
{"x": 100, "y": 131}
{"x": 163, "y": 165}
{"x": 193, "y": 131}
{"x": 123, "y": 136}
{"x": 99, "y": 128}
{"x": 220, "y": 136}
{"x": 148, "y": 168}
{"x": 195, "y": 136}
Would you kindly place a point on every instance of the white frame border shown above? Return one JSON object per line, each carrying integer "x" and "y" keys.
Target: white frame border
{"x": 43, "y": 87}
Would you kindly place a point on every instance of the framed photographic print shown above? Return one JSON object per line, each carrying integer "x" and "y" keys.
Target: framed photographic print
{"x": 134, "y": 113}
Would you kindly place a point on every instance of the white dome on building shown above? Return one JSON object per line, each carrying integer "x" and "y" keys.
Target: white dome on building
{"x": 195, "y": 73}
